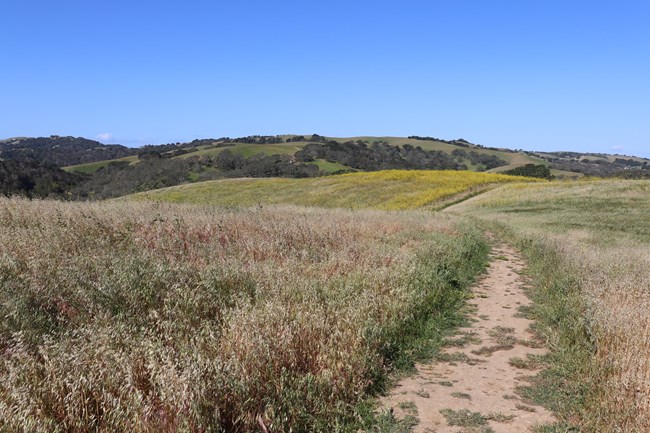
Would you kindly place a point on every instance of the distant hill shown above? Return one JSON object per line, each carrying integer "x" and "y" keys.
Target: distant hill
{"x": 105, "y": 171}
{"x": 595, "y": 164}
{"x": 61, "y": 151}
{"x": 33, "y": 178}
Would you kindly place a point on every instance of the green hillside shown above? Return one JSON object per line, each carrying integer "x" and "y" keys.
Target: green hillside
{"x": 513, "y": 159}
{"x": 92, "y": 167}
{"x": 246, "y": 149}
{"x": 298, "y": 156}
{"x": 467, "y": 155}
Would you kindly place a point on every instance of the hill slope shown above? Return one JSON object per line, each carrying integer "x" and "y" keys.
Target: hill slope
{"x": 460, "y": 153}
{"x": 62, "y": 151}
{"x": 31, "y": 178}
{"x": 387, "y": 190}
{"x": 112, "y": 170}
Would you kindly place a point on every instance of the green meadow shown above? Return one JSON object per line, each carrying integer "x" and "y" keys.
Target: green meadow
{"x": 92, "y": 167}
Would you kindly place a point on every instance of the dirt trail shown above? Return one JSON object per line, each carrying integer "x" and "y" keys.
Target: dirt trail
{"x": 471, "y": 388}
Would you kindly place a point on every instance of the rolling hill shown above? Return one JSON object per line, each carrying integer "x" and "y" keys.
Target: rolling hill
{"x": 105, "y": 171}
{"x": 212, "y": 148}
{"x": 384, "y": 190}
{"x": 563, "y": 164}
{"x": 62, "y": 151}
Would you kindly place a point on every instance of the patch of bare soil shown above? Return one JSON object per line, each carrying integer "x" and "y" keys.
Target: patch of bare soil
{"x": 471, "y": 388}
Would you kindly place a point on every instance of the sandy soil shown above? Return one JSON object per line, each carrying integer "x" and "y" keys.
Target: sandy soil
{"x": 475, "y": 373}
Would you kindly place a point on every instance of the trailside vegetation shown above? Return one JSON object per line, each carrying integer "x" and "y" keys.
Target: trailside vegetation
{"x": 127, "y": 317}
{"x": 587, "y": 243}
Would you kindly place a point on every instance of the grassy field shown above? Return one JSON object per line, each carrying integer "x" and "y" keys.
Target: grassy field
{"x": 330, "y": 167}
{"x": 562, "y": 174}
{"x": 92, "y": 167}
{"x": 386, "y": 190}
{"x": 123, "y": 317}
{"x": 588, "y": 242}
{"x": 163, "y": 312}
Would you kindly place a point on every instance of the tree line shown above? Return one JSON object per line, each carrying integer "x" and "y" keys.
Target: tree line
{"x": 378, "y": 155}
{"x": 62, "y": 151}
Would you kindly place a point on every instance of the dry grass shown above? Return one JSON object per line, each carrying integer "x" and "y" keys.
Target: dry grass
{"x": 164, "y": 318}
{"x": 599, "y": 232}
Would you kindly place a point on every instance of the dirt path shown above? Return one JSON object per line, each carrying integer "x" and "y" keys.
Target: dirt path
{"x": 471, "y": 388}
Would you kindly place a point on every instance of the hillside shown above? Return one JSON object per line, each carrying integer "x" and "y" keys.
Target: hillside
{"x": 106, "y": 171}
{"x": 462, "y": 153}
{"x": 31, "y": 178}
{"x": 458, "y": 154}
{"x": 62, "y": 151}
{"x": 595, "y": 164}
{"x": 386, "y": 190}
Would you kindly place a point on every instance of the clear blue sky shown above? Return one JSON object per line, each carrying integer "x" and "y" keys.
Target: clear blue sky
{"x": 532, "y": 74}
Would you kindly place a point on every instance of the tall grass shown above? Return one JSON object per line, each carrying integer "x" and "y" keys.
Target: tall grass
{"x": 385, "y": 190}
{"x": 588, "y": 242}
{"x": 164, "y": 318}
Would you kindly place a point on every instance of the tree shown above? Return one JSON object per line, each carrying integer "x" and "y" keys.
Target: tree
{"x": 532, "y": 170}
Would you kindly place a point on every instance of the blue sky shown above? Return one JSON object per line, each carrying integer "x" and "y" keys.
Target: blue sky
{"x": 546, "y": 75}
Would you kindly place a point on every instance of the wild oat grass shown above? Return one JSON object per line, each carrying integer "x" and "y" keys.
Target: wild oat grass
{"x": 386, "y": 190}
{"x": 143, "y": 317}
{"x": 589, "y": 243}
